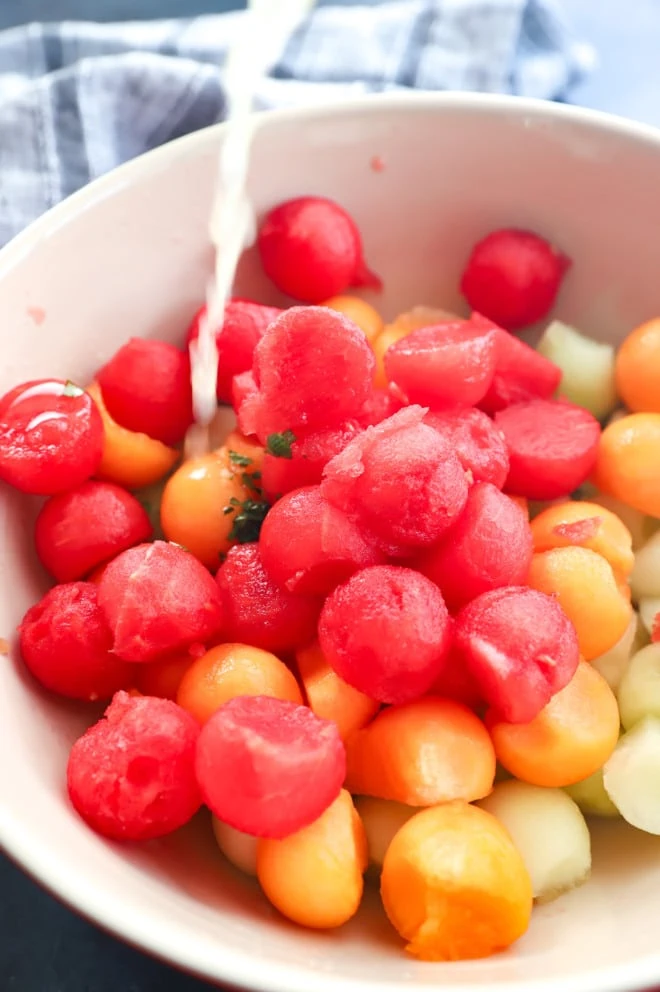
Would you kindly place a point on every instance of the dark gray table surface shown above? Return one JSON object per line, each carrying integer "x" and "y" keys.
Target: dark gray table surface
{"x": 43, "y": 946}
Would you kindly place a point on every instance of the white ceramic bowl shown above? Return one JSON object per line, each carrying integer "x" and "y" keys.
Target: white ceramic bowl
{"x": 129, "y": 256}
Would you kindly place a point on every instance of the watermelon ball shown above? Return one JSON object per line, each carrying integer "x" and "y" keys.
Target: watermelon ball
{"x": 312, "y": 250}
{"x": 400, "y": 481}
{"x": 309, "y": 546}
{"x": 520, "y": 648}
{"x": 553, "y": 446}
{"x": 313, "y": 369}
{"x": 489, "y": 546}
{"x": 478, "y": 444}
{"x": 51, "y": 437}
{"x": 513, "y": 277}
{"x": 302, "y": 462}
{"x": 146, "y": 388}
{"x": 386, "y": 631}
{"x": 269, "y": 767}
{"x": 132, "y": 775}
{"x": 157, "y": 598}
{"x": 80, "y": 529}
{"x": 243, "y": 325}
{"x": 445, "y": 365}
{"x": 521, "y": 373}
{"x": 66, "y": 644}
{"x": 259, "y": 612}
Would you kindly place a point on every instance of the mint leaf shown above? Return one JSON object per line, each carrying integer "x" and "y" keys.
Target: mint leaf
{"x": 241, "y": 460}
{"x": 250, "y": 515}
{"x": 279, "y": 445}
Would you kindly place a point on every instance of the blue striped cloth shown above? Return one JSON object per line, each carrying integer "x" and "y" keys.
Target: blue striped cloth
{"x": 77, "y": 99}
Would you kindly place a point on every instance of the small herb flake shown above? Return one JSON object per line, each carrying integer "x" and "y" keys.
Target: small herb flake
{"x": 248, "y": 521}
{"x": 71, "y": 389}
{"x": 251, "y": 480}
{"x": 279, "y": 445}
{"x": 241, "y": 460}
{"x": 233, "y": 505}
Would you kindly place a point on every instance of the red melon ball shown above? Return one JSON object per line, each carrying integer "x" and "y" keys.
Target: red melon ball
{"x": 519, "y": 647}
{"x": 269, "y": 767}
{"x": 158, "y": 598}
{"x": 489, "y": 546}
{"x": 146, "y": 387}
{"x": 444, "y": 365}
{"x": 311, "y": 248}
{"x": 309, "y": 546}
{"x": 553, "y": 446}
{"x": 386, "y": 631}
{"x": 132, "y": 775}
{"x": 78, "y": 530}
{"x": 66, "y": 643}
{"x": 259, "y": 612}
{"x": 400, "y": 481}
{"x": 313, "y": 370}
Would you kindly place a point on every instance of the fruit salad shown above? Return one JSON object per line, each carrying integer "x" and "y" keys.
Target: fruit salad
{"x": 400, "y": 626}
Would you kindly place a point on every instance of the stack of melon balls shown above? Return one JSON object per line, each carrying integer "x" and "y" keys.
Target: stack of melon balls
{"x": 403, "y": 616}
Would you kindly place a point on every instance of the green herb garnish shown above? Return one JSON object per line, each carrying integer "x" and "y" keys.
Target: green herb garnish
{"x": 250, "y": 515}
{"x": 233, "y": 505}
{"x": 241, "y": 460}
{"x": 279, "y": 445}
{"x": 251, "y": 481}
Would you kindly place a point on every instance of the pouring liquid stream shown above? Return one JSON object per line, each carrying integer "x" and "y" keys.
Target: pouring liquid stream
{"x": 266, "y": 27}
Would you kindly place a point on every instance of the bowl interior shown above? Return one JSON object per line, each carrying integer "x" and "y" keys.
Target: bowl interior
{"x": 130, "y": 256}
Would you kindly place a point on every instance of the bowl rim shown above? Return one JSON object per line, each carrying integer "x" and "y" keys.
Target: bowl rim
{"x": 20, "y": 841}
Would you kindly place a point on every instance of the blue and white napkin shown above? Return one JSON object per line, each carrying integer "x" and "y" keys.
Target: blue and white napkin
{"x": 77, "y": 99}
